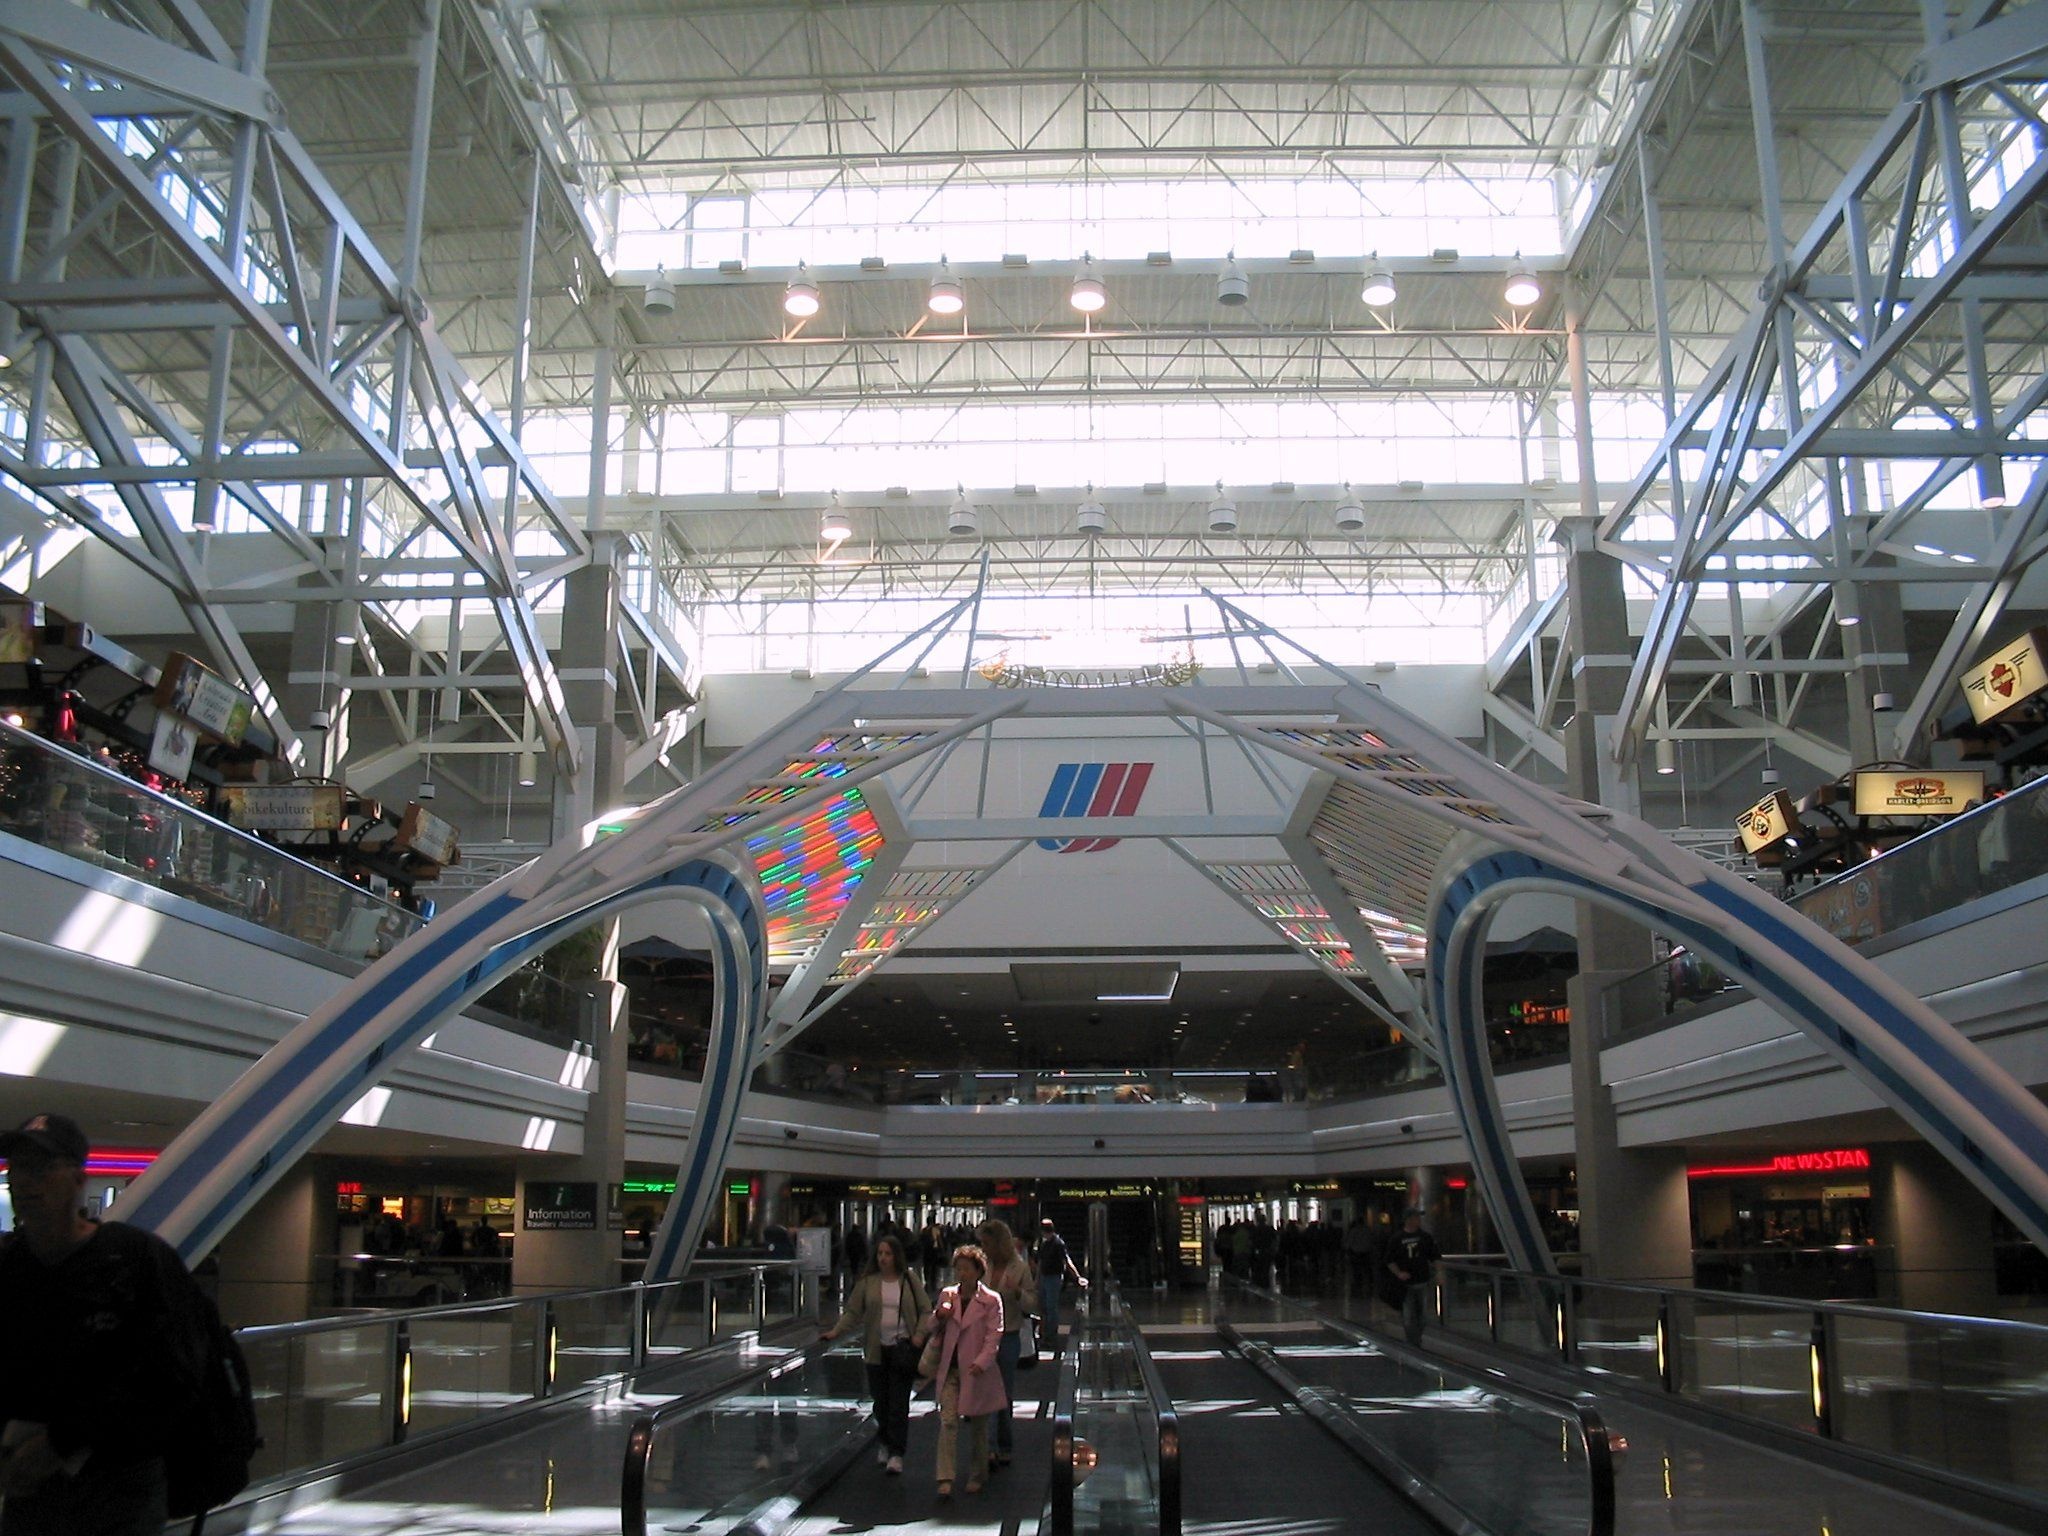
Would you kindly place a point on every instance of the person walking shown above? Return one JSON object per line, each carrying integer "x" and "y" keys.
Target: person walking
{"x": 1055, "y": 1268}
{"x": 1410, "y": 1257}
{"x": 1010, "y": 1278}
{"x": 967, "y": 1326}
{"x": 888, "y": 1304}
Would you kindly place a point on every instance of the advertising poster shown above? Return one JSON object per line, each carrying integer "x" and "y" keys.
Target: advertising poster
{"x": 18, "y": 623}
{"x": 284, "y": 807}
{"x": 216, "y": 706}
{"x": 170, "y": 749}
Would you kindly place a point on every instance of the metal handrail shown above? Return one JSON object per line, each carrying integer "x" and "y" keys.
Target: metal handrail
{"x": 1579, "y": 1409}
{"x": 640, "y": 1441}
{"x": 1775, "y": 1303}
{"x": 1061, "y": 1494}
{"x": 265, "y": 1333}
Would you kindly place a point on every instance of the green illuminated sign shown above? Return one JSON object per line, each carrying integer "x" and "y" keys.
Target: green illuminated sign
{"x": 739, "y": 1189}
{"x": 650, "y": 1186}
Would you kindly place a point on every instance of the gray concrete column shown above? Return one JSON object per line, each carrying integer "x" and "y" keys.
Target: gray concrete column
{"x": 1939, "y": 1227}
{"x": 587, "y": 660}
{"x": 271, "y": 1264}
{"x": 1634, "y": 1218}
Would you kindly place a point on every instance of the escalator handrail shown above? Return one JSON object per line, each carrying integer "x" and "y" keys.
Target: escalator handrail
{"x": 640, "y": 1440}
{"x": 1579, "y": 1408}
{"x": 1060, "y": 1496}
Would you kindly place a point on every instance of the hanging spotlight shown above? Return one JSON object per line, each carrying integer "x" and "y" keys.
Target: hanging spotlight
{"x": 961, "y": 520}
{"x": 426, "y": 790}
{"x": 1379, "y": 286}
{"x": 833, "y": 527}
{"x": 1092, "y": 517}
{"x": 1222, "y": 512}
{"x": 1991, "y": 482}
{"x": 1667, "y": 755}
{"x": 1770, "y": 777}
{"x": 529, "y": 769}
{"x": 1232, "y": 291}
{"x": 1350, "y": 516}
{"x": 660, "y": 297}
{"x": 1521, "y": 289}
{"x": 1087, "y": 295}
{"x": 946, "y": 297}
{"x": 801, "y": 298}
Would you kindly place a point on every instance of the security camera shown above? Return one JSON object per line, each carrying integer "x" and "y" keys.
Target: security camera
{"x": 789, "y": 1132}
{"x": 1407, "y": 1130}
{"x": 1100, "y": 1143}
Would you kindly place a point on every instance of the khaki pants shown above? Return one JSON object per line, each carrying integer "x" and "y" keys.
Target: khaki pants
{"x": 949, "y": 1434}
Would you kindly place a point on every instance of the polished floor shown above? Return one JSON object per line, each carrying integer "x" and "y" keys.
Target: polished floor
{"x": 1254, "y": 1466}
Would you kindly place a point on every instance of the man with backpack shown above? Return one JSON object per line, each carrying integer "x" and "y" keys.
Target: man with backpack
{"x": 110, "y": 1391}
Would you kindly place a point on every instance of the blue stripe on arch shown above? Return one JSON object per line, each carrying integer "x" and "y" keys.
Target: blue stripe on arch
{"x": 225, "y": 1139}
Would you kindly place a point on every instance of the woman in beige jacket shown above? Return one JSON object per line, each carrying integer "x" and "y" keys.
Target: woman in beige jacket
{"x": 889, "y": 1304}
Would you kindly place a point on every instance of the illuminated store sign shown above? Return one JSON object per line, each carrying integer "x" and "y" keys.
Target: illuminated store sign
{"x": 1833, "y": 1160}
{"x": 2014, "y": 674}
{"x": 1917, "y": 793}
{"x": 1769, "y": 821}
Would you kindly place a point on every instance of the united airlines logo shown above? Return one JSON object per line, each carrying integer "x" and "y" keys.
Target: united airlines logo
{"x": 1093, "y": 789}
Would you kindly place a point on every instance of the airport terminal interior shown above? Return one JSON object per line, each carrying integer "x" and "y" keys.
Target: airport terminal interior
{"x": 641, "y": 640}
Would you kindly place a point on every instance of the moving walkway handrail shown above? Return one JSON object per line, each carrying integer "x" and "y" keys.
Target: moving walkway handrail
{"x": 1104, "y": 1312}
{"x": 1579, "y": 1409}
{"x": 1864, "y": 1309}
{"x": 1845, "y": 1373}
{"x": 640, "y": 1441}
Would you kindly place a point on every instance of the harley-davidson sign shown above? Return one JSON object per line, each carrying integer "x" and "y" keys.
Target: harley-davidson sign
{"x": 1916, "y": 792}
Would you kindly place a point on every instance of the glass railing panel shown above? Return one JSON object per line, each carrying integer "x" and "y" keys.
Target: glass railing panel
{"x": 71, "y": 805}
{"x": 1964, "y": 1395}
{"x": 735, "y": 1303}
{"x": 593, "y": 1336}
{"x": 1746, "y": 1359}
{"x": 709, "y": 1466}
{"x": 1616, "y": 1332}
{"x": 675, "y": 1318}
{"x": 1117, "y": 1477}
{"x": 1528, "y": 1314}
{"x": 1464, "y": 1297}
{"x": 1511, "y": 1466}
{"x": 469, "y": 1363}
{"x": 322, "y": 1396}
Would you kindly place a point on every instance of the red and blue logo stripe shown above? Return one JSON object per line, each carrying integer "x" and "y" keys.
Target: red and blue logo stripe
{"x": 1093, "y": 789}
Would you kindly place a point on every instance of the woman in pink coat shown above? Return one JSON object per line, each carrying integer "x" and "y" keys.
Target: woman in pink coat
{"x": 967, "y": 1325}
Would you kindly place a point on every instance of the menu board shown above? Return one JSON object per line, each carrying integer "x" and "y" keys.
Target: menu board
{"x": 187, "y": 689}
{"x": 1917, "y": 792}
{"x": 285, "y": 807}
{"x": 2013, "y": 675}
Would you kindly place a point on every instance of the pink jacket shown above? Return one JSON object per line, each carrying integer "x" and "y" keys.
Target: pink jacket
{"x": 971, "y": 1335}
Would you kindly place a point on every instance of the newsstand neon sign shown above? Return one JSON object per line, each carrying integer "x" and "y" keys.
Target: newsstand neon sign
{"x": 1834, "y": 1160}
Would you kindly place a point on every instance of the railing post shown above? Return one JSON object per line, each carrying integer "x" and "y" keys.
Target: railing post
{"x": 401, "y": 1380}
{"x": 640, "y": 1314}
{"x": 710, "y": 1312}
{"x": 1493, "y": 1307}
{"x": 1567, "y": 1322}
{"x": 1820, "y": 1365}
{"x": 544, "y": 1352}
{"x": 1667, "y": 1354}
{"x": 760, "y": 1300}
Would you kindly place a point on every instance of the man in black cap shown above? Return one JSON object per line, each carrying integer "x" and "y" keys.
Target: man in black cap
{"x": 90, "y": 1328}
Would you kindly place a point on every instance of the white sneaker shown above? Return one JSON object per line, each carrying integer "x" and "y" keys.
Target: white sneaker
{"x": 762, "y": 1463}
{"x": 894, "y": 1467}
{"x": 881, "y": 1455}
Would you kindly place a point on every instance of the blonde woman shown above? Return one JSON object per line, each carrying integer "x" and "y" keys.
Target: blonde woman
{"x": 1009, "y": 1276}
{"x": 889, "y": 1304}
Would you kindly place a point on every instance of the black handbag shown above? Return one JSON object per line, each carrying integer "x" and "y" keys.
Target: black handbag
{"x": 902, "y": 1356}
